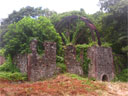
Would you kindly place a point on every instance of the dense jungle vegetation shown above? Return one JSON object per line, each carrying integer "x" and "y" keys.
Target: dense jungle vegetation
{"x": 17, "y": 31}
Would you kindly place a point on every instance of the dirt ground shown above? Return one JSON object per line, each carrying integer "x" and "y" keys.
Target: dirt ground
{"x": 63, "y": 85}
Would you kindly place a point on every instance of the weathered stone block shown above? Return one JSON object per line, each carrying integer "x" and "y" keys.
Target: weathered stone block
{"x": 42, "y": 67}
{"x": 2, "y": 60}
{"x": 21, "y": 61}
{"x": 73, "y": 66}
{"x": 101, "y": 66}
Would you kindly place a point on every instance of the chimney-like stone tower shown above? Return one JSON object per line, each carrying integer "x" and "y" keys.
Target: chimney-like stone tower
{"x": 101, "y": 66}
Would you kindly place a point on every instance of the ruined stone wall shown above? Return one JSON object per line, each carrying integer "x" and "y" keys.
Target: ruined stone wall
{"x": 42, "y": 67}
{"x": 73, "y": 66}
{"x": 21, "y": 61}
{"x": 2, "y": 60}
{"x": 101, "y": 65}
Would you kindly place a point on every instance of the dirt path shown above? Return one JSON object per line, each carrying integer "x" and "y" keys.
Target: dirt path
{"x": 118, "y": 88}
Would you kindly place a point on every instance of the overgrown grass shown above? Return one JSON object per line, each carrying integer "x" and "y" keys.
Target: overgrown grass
{"x": 86, "y": 81}
{"x": 9, "y": 71}
{"x": 8, "y": 66}
{"x": 123, "y": 76}
{"x": 74, "y": 76}
{"x": 60, "y": 63}
{"x": 16, "y": 76}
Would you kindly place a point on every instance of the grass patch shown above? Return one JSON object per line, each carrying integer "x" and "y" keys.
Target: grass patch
{"x": 85, "y": 81}
{"x": 16, "y": 76}
{"x": 74, "y": 76}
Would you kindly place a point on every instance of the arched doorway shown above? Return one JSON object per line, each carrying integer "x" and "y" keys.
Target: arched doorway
{"x": 104, "y": 78}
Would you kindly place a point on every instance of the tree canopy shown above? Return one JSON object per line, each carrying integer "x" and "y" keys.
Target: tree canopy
{"x": 19, "y": 35}
{"x": 114, "y": 24}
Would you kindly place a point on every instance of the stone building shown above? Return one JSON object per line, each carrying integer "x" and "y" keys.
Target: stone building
{"x": 41, "y": 67}
{"x": 38, "y": 67}
{"x": 101, "y": 66}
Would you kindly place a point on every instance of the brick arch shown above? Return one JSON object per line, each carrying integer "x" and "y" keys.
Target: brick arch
{"x": 87, "y": 22}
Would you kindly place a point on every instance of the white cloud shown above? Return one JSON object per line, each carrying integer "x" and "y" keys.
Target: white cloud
{"x": 7, "y": 6}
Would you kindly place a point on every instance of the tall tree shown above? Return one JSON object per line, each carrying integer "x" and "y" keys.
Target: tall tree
{"x": 115, "y": 23}
{"x": 19, "y": 35}
{"x": 16, "y": 16}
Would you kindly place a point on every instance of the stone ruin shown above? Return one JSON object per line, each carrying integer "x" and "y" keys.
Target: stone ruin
{"x": 37, "y": 67}
{"x": 101, "y": 66}
{"x": 73, "y": 66}
{"x": 2, "y": 60}
{"x": 21, "y": 61}
{"x": 41, "y": 67}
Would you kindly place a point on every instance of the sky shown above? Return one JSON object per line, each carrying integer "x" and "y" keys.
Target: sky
{"x": 7, "y": 6}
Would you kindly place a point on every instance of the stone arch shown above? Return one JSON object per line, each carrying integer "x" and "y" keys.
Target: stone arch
{"x": 87, "y": 22}
{"x": 104, "y": 77}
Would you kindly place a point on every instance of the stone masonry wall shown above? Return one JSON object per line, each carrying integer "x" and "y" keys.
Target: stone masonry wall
{"x": 21, "y": 61}
{"x": 41, "y": 67}
{"x": 73, "y": 66}
{"x": 2, "y": 60}
{"x": 101, "y": 66}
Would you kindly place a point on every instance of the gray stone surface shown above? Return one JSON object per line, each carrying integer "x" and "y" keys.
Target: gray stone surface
{"x": 73, "y": 66}
{"x": 42, "y": 67}
{"x": 2, "y": 60}
{"x": 101, "y": 66}
{"x": 21, "y": 61}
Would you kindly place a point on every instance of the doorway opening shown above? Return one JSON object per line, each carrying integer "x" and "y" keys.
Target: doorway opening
{"x": 104, "y": 78}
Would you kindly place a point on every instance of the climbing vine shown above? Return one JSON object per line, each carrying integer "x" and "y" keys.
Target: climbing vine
{"x": 85, "y": 62}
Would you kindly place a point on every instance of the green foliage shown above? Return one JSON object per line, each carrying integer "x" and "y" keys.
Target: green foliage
{"x": 2, "y": 51}
{"x": 120, "y": 70}
{"x": 114, "y": 27}
{"x": 10, "y": 72}
{"x": 114, "y": 24}
{"x": 119, "y": 60}
{"x": 106, "y": 44}
{"x": 125, "y": 49}
{"x": 86, "y": 61}
{"x": 123, "y": 76}
{"x": 74, "y": 76}
{"x": 113, "y": 5}
{"x": 66, "y": 40}
{"x": 60, "y": 63}
{"x": 16, "y": 76}
{"x": 20, "y": 34}
{"x": 72, "y": 31}
{"x": 16, "y": 16}
{"x": 8, "y": 66}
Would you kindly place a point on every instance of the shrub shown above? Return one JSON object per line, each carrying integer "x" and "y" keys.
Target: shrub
{"x": 86, "y": 61}
{"x": 2, "y": 52}
{"x": 16, "y": 76}
{"x": 19, "y": 35}
{"x": 8, "y": 66}
{"x": 123, "y": 76}
{"x": 60, "y": 63}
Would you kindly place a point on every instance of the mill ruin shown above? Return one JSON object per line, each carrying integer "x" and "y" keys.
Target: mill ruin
{"x": 37, "y": 67}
